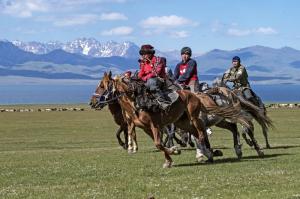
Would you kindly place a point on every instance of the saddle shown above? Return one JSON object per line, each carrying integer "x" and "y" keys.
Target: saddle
{"x": 152, "y": 102}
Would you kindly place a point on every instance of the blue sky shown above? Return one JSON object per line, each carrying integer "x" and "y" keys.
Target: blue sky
{"x": 167, "y": 24}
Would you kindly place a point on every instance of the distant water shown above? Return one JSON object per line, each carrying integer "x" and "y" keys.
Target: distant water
{"x": 69, "y": 94}
{"x": 46, "y": 94}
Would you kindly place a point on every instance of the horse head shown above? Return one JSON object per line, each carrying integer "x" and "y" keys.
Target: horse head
{"x": 103, "y": 92}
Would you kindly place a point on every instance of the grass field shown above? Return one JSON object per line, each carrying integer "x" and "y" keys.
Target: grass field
{"x": 76, "y": 155}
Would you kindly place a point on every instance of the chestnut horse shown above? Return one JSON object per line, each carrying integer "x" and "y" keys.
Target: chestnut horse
{"x": 114, "y": 108}
{"x": 187, "y": 103}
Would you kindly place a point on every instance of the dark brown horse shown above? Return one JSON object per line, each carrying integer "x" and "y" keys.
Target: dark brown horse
{"x": 114, "y": 108}
{"x": 187, "y": 104}
{"x": 252, "y": 111}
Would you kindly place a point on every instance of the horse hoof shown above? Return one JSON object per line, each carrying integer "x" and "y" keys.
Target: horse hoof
{"x": 210, "y": 160}
{"x": 192, "y": 144}
{"x": 124, "y": 146}
{"x": 239, "y": 155}
{"x": 260, "y": 153}
{"x": 175, "y": 151}
{"x": 217, "y": 153}
{"x": 130, "y": 151}
{"x": 167, "y": 164}
{"x": 200, "y": 158}
{"x": 268, "y": 146}
{"x": 183, "y": 144}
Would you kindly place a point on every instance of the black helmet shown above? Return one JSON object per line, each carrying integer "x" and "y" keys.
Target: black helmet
{"x": 236, "y": 58}
{"x": 186, "y": 50}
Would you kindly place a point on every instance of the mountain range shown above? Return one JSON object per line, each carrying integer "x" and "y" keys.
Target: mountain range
{"x": 87, "y": 59}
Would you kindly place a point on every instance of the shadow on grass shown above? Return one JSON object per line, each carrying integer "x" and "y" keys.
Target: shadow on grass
{"x": 284, "y": 147}
{"x": 187, "y": 149}
{"x": 232, "y": 160}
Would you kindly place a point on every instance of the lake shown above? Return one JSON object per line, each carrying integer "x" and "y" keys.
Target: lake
{"x": 70, "y": 94}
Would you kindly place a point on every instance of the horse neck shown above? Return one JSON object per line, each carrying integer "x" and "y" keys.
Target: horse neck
{"x": 127, "y": 105}
{"x": 114, "y": 107}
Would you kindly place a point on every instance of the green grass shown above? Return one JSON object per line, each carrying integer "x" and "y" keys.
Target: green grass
{"x": 76, "y": 155}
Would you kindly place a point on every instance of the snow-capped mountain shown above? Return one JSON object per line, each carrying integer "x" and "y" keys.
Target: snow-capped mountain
{"x": 84, "y": 46}
{"x": 37, "y": 47}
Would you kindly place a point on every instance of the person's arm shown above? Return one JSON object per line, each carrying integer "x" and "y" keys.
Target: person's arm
{"x": 141, "y": 72}
{"x": 240, "y": 73}
{"x": 188, "y": 73}
{"x": 176, "y": 71}
{"x": 161, "y": 66}
{"x": 226, "y": 75}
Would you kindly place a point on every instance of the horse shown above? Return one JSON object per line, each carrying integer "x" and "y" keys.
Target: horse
{"x": 250, "y": 110}
{"x": 99, "y": 100}
{"x": 151, "y": 122}
{"x": 115, "y": 110}
{"x": 228, "y": 99}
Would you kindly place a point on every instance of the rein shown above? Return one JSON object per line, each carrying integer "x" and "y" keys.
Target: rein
{"x": 111, "y": 100}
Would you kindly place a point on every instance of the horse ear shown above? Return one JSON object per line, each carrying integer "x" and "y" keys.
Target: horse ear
{"x": 109, "y": 74}
{"x": 105, "y": 74}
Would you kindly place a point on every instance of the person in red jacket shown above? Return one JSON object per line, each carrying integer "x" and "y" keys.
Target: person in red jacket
{"x": 152, "y": 72}
{"x": 186, "y": 71}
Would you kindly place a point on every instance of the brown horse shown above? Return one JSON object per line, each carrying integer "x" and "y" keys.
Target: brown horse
{"x": 151, "y": 123}
{"x": 115, "y": 110}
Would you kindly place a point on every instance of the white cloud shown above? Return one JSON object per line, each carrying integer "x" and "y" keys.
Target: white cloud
{"x": 238, "y": 32}
{"x": 24, "y": 8}
{"x": 122, "y": 30}
{"x": 260, "y": 31}
{"x": 266, "y": 30}
{"x": 27, "y": 8}
{"x": 180, "y": 34}
{"x": 166, "y": 22}
{"x": 76, "y": 20}
{"x": 113, "y": 16}
{"x": 233, "y": 29}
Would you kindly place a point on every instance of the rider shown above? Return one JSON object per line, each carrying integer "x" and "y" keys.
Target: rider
{"x": 127, "y": 76}
{"x": 152, "y": 72}
{"x": 239, "y": 76}
{"x": 186, "y": 71}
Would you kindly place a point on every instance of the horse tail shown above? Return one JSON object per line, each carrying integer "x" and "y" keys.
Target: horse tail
{"x": 260, "y": 116}
{"x": 233, "y": 112}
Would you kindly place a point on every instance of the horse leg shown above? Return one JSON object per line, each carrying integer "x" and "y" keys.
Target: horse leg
{"x": 244, "y": 134}
{"x": 130, "y": 137}
{"x": 170, "y": 137}
{"x": 250, "y": 131}
{"x": 190, "y": 140}
{"x": 265, "y": 132}
{"x": 158, "y": 144}
{"x": 126, "y": 136}
{"x": 135, "y": 145}
{"x": 236, "y": 136}
{"x": 164, "y": 131}
{"x": 118, "y": 133}
{"x": 199, "y": 125}
{"x": 179, "y": 141}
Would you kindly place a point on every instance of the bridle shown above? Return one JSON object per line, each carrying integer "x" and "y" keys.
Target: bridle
{"x": 109, "y": 96}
